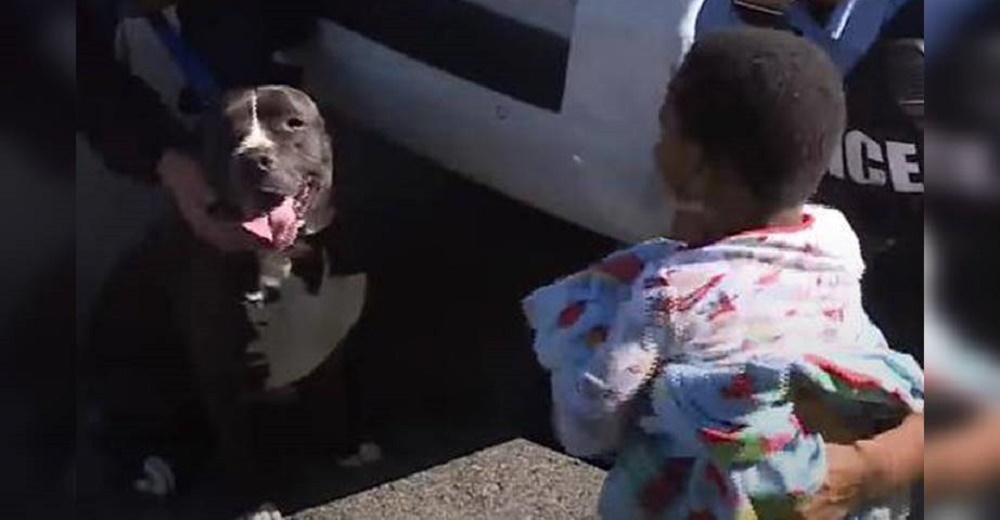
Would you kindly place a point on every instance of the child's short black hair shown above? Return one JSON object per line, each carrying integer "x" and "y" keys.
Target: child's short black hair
{"x": 767, "y": 105}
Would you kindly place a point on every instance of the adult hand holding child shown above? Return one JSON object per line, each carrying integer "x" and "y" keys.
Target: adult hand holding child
{"x": 868, "y": 469}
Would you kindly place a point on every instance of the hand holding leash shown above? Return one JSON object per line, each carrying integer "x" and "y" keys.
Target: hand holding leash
{"x": 185, "y": 179}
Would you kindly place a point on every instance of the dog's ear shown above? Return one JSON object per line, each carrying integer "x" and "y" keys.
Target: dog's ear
{"x": 323, "y": 213}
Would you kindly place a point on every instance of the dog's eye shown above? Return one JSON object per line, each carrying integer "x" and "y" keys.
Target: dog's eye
{"x": 295, "y": 123}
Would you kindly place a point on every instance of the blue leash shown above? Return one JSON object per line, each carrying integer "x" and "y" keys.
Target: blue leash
{"x": 198, "y": 75}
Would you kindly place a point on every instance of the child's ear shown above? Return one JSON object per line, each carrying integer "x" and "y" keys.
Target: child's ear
{"x": 700, "y": 163}
{"x": 692, "y": 169}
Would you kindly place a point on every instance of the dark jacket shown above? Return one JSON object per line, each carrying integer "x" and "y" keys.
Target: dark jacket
{"x": 877, "y": 174}
{"x": 123, "y": 118}
{"x": 877, "y": 181}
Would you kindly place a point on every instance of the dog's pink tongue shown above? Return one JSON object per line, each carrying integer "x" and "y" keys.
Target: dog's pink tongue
{"x": 278, "y": 227}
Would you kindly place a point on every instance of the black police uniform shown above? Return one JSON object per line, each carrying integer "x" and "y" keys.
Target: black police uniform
{"x": 876, "y": 178}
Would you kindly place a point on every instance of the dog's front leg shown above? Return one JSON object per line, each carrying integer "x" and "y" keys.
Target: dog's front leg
{"x": 218, "y": 339}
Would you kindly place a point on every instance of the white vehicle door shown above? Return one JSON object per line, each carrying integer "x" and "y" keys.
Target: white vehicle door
{"x": 581, "y": 151}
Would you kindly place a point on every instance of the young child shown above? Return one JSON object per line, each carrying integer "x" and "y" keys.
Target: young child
{"x": 713, "y": 369}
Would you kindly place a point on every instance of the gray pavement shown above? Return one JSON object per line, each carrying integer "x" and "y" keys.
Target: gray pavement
{"x": 517, "y": 479}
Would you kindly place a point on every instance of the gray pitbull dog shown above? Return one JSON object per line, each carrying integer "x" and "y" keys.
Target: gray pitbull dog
{"x": 271, "y": 159}
{"x": 273, "y": 155}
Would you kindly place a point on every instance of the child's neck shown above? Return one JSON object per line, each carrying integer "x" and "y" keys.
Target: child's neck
{"x": 784, "y": 218}
{"x": 740, "y": 222}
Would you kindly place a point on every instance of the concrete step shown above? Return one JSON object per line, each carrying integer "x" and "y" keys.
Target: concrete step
{"x": 515, "y": 480}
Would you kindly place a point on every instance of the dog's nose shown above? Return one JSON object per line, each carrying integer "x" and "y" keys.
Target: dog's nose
{"x": 257, "y": 164}
{"x": 259, "y": 159}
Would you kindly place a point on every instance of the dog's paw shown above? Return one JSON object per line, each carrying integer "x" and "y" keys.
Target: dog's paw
{"x": 158, "y": 478}
{"x": 368, "y": 453}
{"x": 266, "y": 511}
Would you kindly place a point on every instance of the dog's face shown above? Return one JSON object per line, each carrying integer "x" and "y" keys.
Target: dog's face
{"x": 272, "y": 146}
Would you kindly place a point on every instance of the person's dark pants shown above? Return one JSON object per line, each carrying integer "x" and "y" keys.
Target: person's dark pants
{"x": 893, "y": 296}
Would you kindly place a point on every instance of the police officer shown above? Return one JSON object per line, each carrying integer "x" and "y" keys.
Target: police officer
{"x": 876, "y": 179}
{"x": 876, "y": 176}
